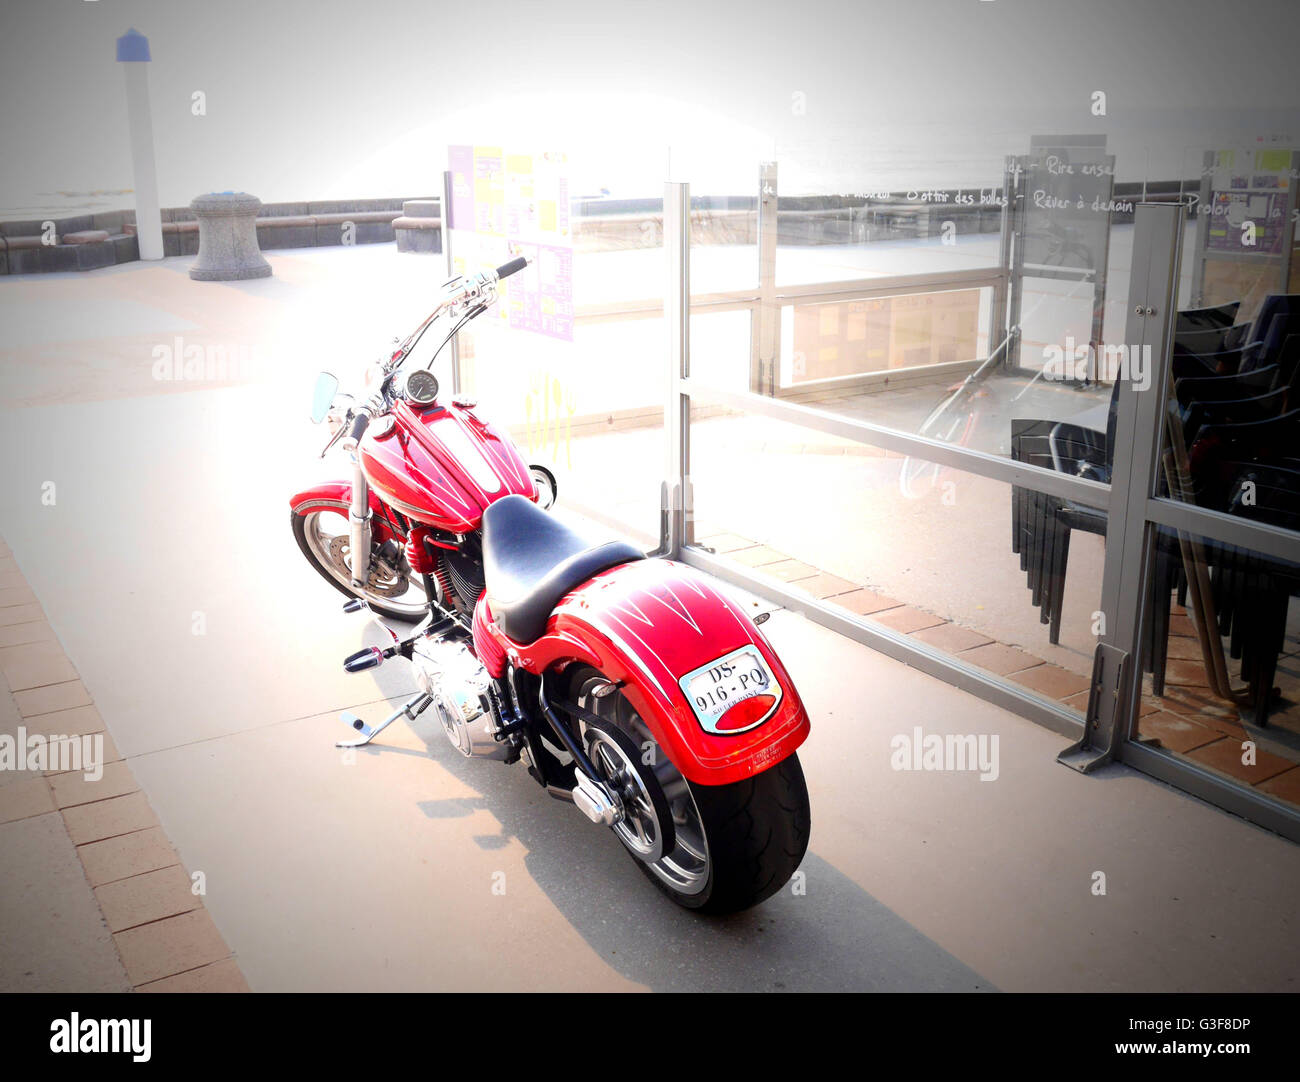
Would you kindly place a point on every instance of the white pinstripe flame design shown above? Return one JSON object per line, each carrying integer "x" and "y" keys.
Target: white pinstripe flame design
{"x": 628, "y": 616}
{"x": 446, "y": 491}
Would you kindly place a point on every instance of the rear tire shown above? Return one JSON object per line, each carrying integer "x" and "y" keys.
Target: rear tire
{"x": 758, "y": 834}
{"x": 754, "y": 832}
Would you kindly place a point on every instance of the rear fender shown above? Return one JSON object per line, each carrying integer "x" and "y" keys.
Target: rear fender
{"x": 647, "y": 624}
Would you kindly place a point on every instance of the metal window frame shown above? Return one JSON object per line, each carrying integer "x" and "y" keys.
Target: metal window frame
{"x": 1130, "y": 539}
{"x": 1107, "y": 732}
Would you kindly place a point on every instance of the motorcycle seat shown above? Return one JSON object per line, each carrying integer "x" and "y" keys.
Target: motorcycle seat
{"x": 531, "y": 560}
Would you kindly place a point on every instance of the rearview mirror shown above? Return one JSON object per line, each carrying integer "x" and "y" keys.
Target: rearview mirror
{"x": 327, "y": 386}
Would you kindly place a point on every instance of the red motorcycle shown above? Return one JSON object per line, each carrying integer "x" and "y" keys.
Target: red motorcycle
{"x": 629, "y": 686}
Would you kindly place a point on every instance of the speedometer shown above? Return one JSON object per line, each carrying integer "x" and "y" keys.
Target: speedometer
{"x": 421, "y": 386}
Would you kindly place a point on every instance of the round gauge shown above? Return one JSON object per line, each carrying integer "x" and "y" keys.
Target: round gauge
{"x": 421, "y": 386}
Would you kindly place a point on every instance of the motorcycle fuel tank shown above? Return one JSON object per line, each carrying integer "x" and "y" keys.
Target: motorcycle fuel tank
{"x": 442, "y": 466}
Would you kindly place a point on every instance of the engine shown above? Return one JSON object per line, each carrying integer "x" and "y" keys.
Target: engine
{"x": 459, "y": 686}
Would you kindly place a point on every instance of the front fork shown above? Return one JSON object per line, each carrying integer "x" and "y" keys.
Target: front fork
{"x": 359, "y": 526}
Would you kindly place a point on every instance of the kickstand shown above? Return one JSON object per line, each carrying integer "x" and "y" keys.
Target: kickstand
{"x": 368, "y": 732}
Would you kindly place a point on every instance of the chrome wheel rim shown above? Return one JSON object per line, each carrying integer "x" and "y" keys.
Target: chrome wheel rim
{"x": 687, "y": 866}
{"x": 639, "y": 829}
{"x": 544, "y": 484}
{"x": 398, "y": 589}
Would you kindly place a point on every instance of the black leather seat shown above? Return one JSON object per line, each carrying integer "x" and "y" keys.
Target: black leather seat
{"x": 531, "y": 560}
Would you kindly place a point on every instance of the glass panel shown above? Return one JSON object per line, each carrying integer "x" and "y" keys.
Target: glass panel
{"x": 1241, "y": 242}
{"x": 898, "y": 211}
{"x": 1222, "y": 663}
{"x": 1006, "y": 579}
{"x": 592, "y": 410}
{"x": 724, "y": 217}
{"x": 1044, "y": 222}
{"x": 573, "y": 403}
{"x": 1232, "y": 412}
{"x": 831, "y": 340}
{"x": 1231, "y": 435}
{"x": 724, "y": 242}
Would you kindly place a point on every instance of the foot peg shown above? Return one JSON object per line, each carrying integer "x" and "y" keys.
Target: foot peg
{"x": 368, "y": 732}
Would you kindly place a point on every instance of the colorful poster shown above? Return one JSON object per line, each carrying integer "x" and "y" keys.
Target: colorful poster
{"x": 1249, "y": 203}
{"x": 506, "y": 204}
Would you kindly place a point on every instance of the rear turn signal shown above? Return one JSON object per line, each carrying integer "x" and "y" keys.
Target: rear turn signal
{"x": 745, "y": 713}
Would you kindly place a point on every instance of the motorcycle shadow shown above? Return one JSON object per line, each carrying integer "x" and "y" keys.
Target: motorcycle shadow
{"x": 821, "y": 932}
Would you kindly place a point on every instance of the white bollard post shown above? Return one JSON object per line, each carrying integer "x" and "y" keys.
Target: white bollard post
{"x": 133, "y": 54}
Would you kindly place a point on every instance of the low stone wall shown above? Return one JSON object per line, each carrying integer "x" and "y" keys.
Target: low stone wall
{"x": 85, "y": 242}
{"x": 297, "y": 225}
{"x": 415, "y": 224}
{"x": 25, "y": 249}
{"x": 610, "y": 225}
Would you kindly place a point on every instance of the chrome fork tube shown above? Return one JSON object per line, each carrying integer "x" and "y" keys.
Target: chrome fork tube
{"x": 359, "y": 525}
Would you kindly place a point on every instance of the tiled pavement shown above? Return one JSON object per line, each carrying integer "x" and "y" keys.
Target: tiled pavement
{"x": 1188, "y": 720}
{"x": 133, "y": 919}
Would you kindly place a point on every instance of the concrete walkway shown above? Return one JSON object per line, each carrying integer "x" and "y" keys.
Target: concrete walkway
{"x": 165, "y": 568}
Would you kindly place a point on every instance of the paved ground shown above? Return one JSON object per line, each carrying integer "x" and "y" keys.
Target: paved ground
{"x": 165, "y": 567}
{"x": 94, "y": 897}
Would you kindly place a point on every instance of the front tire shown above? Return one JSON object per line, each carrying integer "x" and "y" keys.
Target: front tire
{"x": 733, "y": 845}
{"x": 321, "y": 534}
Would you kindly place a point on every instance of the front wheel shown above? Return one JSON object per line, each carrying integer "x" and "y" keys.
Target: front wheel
{"x": 394, "y": 590}
{"x": 710, "y": 848}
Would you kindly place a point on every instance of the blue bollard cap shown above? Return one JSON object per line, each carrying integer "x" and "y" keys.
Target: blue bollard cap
{"x": 132, "y": 46}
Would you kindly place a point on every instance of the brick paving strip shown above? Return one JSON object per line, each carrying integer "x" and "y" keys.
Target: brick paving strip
{"x": 164, "y": 936}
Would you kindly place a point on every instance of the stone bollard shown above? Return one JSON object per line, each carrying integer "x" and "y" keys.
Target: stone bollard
{"x": 419, "y": 229}
{"x": 228, "y": 248}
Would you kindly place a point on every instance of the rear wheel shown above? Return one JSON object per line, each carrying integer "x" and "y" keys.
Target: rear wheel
{"x": 711, "y": 848}
{"x": 394, "y": 590}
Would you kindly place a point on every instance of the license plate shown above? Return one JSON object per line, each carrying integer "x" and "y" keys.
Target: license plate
{"x": 715, "y": 688}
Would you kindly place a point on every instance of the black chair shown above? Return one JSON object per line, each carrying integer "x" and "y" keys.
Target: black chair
{"x": 1213, "y": 340}
{"x": 1232, "y": 411}
{"x": 1042, "y": 527}
{"x": 1032, "y": 512}
{"x": 1288, "y": 369}
{"x": 1224, "y": 388}
{"x": 1253, "y": 592}
{"x": 1194, "y": 319}
{"x": 1219, "y": 448}
{"x": 1277, "y": 320}
{"x": 1227, "y": 362}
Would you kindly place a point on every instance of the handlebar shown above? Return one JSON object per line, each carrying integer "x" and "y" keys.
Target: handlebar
{"x": 468, "y": 295}
{"x": 513, "y": 267}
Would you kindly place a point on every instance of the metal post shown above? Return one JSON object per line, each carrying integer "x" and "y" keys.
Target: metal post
{"x": 133, "y": 54}
{"x": 1130, "y": 538}
{"x": 447, "y": 182}
{"x": 1099, "y": 286}
{"x": 765, "y": 327}
{"x": 1016, "y": 202}
{"x": 1288, "y": 230}
{"x": 999, "y": 323}
{"x": 677, "y": 527}
{"x": 1202, "y": 228}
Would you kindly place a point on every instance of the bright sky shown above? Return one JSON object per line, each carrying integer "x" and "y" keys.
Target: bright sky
{"x": 329, "y": 99}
